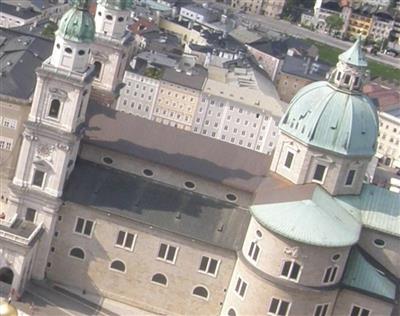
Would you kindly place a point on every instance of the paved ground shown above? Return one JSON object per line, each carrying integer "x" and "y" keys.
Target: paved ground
{"x": 45, "y": 300}
{"x": 283, "y": 26}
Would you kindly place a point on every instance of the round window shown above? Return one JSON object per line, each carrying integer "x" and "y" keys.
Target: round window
{"x": 68, "y": 50}
{"x": 259, "y": 233}
{"x": 379, "y": 243}
{"x": 109, "y": 17}
{"x": 81, "y": 52}
{"x": 190, "y": 185}
{"x": 336, "y": 257}
{"x": 231, "y": 197}
{"x": 120, "y": 19}
{"x": 108, "y": 160}
{"x": 148, "y": 172}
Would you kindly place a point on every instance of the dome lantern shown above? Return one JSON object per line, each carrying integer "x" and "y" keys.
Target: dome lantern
{"x": 350, "y": 72}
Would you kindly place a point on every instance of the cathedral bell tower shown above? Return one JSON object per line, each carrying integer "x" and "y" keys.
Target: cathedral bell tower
{"x": 112, "y": 47}
{"x": 54, "y": 128}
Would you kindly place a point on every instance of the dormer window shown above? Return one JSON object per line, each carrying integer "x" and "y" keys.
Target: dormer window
{"x": 339, "y": 75}
{"x": 347, "y": 79}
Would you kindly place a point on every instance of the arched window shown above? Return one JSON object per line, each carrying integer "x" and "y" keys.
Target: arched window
{"x": 159, "y": 278}
{"x": 97, "y": 68}
{"x": 117, "y": 265}
{"x": 231, "y": 312}
{"x": 77, "y": 253}
{"x": 54, "y": 108}
{"x": 200, "y": 291}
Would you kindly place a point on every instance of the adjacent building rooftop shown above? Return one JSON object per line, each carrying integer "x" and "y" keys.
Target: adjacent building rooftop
{"x": 20, "y": 55}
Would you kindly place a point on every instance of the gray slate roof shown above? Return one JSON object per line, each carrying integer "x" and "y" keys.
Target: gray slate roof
{"x": 20, "y": 55}
{"x": 192, "y": 153}
{"x": 301, "y": 67}
{"x": 175, "y": 210}
{"x": 22, "y": 13}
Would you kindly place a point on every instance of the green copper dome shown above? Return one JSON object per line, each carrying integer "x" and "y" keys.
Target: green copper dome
{"x": 326, "y": 117}
{"x": 116, "y": 4}
{"x": 77, "y": 24}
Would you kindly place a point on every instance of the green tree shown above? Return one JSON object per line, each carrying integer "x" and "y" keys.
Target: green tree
{"x": 334, "y": 22}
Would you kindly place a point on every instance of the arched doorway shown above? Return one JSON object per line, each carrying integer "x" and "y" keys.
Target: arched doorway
{"x": 6, "y": 275}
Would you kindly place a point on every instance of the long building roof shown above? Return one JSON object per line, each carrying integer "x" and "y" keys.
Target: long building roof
{"x": 179, "y": 211}
{"x": 206, "y": 157}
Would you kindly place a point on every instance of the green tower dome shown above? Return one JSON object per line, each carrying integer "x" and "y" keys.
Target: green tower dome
{"x": 324, "y": 116}
{"x": 116, "y": 4}
{"x": 77, "y": 23}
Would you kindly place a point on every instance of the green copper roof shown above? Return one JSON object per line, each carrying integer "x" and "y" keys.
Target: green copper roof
{"x": 326, "y": 117}
{"x": 77, "y": 24}
{"x": 377, "y": 208}
{"x": 362, "y": 275}
{"x": 116, "y": 4}
{"x": 320, "y": 221}
{"x": 354, "y": 55}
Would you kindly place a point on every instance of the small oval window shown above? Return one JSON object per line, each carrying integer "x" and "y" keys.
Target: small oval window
{"x": 58, "y": 46}
{"x": 336, "y": 257}
{"x": 259, "y": 233}
{"x": 148, "y": 172}
{"x": 68, "y": 50}
{"x": 81, "y": 52}
{"x": 99, "y": 13}
{"x": 108, "y": 160}
{"x": 231, "y": 197}
{"x": 190, "y": 185}
{"x": 120, "y": 19}
{"x": 379, "y": 243}
{"x": 109, "y": 17}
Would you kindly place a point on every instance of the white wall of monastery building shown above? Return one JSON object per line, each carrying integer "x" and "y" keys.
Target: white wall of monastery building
{"x": 236, "y": 123}
{"x": 139, "y": 95}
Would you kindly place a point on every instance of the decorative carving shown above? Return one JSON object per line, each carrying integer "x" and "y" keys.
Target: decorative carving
{"x": 30, "y": 137}
{"x": 45, "y": 151}
{"x": 59, "y": 93}
{"x": 291, "y": 251}
{"x": 64, "y": 147}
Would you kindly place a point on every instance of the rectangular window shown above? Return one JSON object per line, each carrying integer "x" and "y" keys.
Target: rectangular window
{"x": 330, "y": 275}
{"x": 84, "y": 227}
{"x": 321, "y": 310}
{"x": 319, "y": 173}
{"x": 38, "y": 178}
{"x": 167, "y": 253}
{"x": 350, "y": 177}
{"x": 125, "y": 240}
{"x": 289, "y": 159}
{"x": 291, "y": 270}
{"x": 278, "y": 307}
{"x": 30, "y": 214}
{"x": 241, "y": 287}
{"x": 209, "y": 265}
{"x": 254, "y": 251}
{"x": 359, "y": 311}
